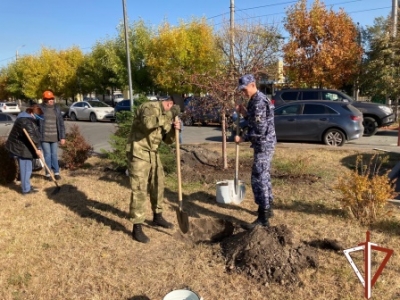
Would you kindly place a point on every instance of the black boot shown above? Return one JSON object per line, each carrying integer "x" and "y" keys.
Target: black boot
{"x": 263, "y": 219}
{"x": 138, "y": 234}
{"x": 158, "y": 220}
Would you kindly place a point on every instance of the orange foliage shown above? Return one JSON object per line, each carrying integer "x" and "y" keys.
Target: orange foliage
{"x": 322, "y": 50}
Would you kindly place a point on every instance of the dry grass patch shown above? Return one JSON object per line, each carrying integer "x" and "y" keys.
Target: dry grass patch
{"x": 77, "y": 244}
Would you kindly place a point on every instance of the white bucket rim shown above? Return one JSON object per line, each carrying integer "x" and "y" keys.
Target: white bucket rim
{"x": 181, "y": 293}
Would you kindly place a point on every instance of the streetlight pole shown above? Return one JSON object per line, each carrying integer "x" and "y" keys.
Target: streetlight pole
{"x": 128, "y": 56}
{"x": 16, "y": 52}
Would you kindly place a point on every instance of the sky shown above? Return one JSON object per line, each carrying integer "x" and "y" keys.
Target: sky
{"x": 28, "y": 25}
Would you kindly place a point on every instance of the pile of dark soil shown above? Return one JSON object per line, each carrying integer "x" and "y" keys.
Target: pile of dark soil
{"x": 268, "y": 255}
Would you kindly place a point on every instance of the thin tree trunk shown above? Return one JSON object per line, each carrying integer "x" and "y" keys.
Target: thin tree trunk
{"x": 223, "y": 127}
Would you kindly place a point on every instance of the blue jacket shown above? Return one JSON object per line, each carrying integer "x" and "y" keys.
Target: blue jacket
{"x": 60, "y": 122}
{"x": 260, "y": 117}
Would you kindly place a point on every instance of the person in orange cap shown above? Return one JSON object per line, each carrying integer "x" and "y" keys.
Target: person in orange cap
{"x": 52, "y": 132}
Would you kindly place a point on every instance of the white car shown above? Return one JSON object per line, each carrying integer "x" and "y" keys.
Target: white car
{"x": 91, "y": 110}
{"x": 9, "y": 108}
{"x": 117, "y": 98}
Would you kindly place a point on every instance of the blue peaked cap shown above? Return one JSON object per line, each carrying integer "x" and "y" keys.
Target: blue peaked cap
{"x": 245, "y": 80}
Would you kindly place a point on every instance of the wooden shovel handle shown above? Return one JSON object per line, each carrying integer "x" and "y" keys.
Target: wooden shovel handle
{"x": 178, "y": 164}
{"x": 40, "y": 156}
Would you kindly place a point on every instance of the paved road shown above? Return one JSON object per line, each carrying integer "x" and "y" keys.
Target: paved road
{"x": 97, "y": 134}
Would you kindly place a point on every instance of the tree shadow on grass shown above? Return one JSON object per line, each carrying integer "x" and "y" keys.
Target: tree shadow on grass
{"x": 78, "y": 202}
{"x": 392, "y": 160}
{"x": 309, "y": 208}
{"x": 141, "y": 297}
{"x": 195, "y": 210}
{"x": 388, "y": 226}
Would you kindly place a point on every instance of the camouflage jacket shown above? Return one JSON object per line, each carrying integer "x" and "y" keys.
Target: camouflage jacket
{"x": 151, "y": 125}
{"x": 260, "y": 117}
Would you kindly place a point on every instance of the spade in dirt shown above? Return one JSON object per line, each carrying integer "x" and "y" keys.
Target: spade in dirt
{"x": 58, "y": 188}
{"x": 183, "y": 218}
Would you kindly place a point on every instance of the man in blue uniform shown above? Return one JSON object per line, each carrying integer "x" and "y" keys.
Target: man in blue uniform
{"x": 261, "y": 134}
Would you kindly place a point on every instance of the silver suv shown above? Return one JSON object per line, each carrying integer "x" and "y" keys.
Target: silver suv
{"x": 375, "y": 115}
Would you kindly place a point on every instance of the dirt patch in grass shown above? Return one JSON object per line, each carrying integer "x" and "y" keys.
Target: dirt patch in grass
{"x": 206, "y": 230}
{"x": 204, "y": 165}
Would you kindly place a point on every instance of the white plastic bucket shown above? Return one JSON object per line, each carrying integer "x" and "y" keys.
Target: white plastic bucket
{"x": 181, "y": 295}
{"x": 226, "y": 192}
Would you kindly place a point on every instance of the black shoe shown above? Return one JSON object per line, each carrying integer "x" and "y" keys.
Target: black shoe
{"x": 158, "y": 220}
{"x": 57, "y": 177}
{"x": 32, "y": 191}
{"x": 263, "y": 219}
{"x": 138, "y": 234}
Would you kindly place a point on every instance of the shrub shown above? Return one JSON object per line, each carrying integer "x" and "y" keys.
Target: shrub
{"x": 75, "y": 150}
{"x": 119, "y": 139}
{"x": 8, "y": 169}
{"x": 364, "y": 191}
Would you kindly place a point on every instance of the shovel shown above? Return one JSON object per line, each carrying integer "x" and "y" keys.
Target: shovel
{"x": 58, "y": 188}
{"x": 236, "y": 179}
{"x": 238, "y": 194}
{"x": 183, "y": 218}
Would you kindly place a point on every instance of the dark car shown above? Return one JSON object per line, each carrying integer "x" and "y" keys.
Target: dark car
{"x": 124, "y": 105}
{"x": 332, "y": 123}
{"x": 6, "y": 124}
{"x": 202, "y": 110}
{"x": 375, "y": 115}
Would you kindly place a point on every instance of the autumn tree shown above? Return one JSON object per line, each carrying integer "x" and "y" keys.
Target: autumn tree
{"x": 101, "y": 69}
{"x": 322, "y": 50}
{"x": 139, "y": 37}
{"x": 177, "y": 52}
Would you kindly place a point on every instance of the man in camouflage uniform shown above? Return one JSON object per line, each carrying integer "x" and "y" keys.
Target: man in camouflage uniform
{"x": 153, "y": 123}
{"x": 261, "y": 134}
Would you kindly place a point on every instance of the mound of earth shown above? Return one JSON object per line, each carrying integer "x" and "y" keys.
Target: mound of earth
{"x": 268, "y": 255}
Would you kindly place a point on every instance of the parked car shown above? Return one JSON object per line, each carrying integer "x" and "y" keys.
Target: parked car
{"x": 152, "y": 97}
{"x": 332, "y": 123}
{"x": 91, "y": 110}
{"x": 6, "y": 123}
{"x": 117, "y": 98}
{"x": 124, "y": 105}
{"x": 10, "y": 108}
{"x": 375, "y": 115}
{"x": 90, "y": 99}
{"x": 200, "y": 110}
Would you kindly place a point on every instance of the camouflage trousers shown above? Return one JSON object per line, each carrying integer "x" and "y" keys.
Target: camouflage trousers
{"x": 146, "y": 177}
{"x": 261, "y": 178}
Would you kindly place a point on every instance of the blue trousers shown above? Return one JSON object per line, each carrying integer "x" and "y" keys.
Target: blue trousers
{"x": 50, "y": 153}
{"x": 25, "y": 172}
{"x": 261, "y": 178}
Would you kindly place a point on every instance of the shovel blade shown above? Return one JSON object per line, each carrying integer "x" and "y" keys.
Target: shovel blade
{"x": 183, "y": 220}
{"x": 56, "y": 190}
